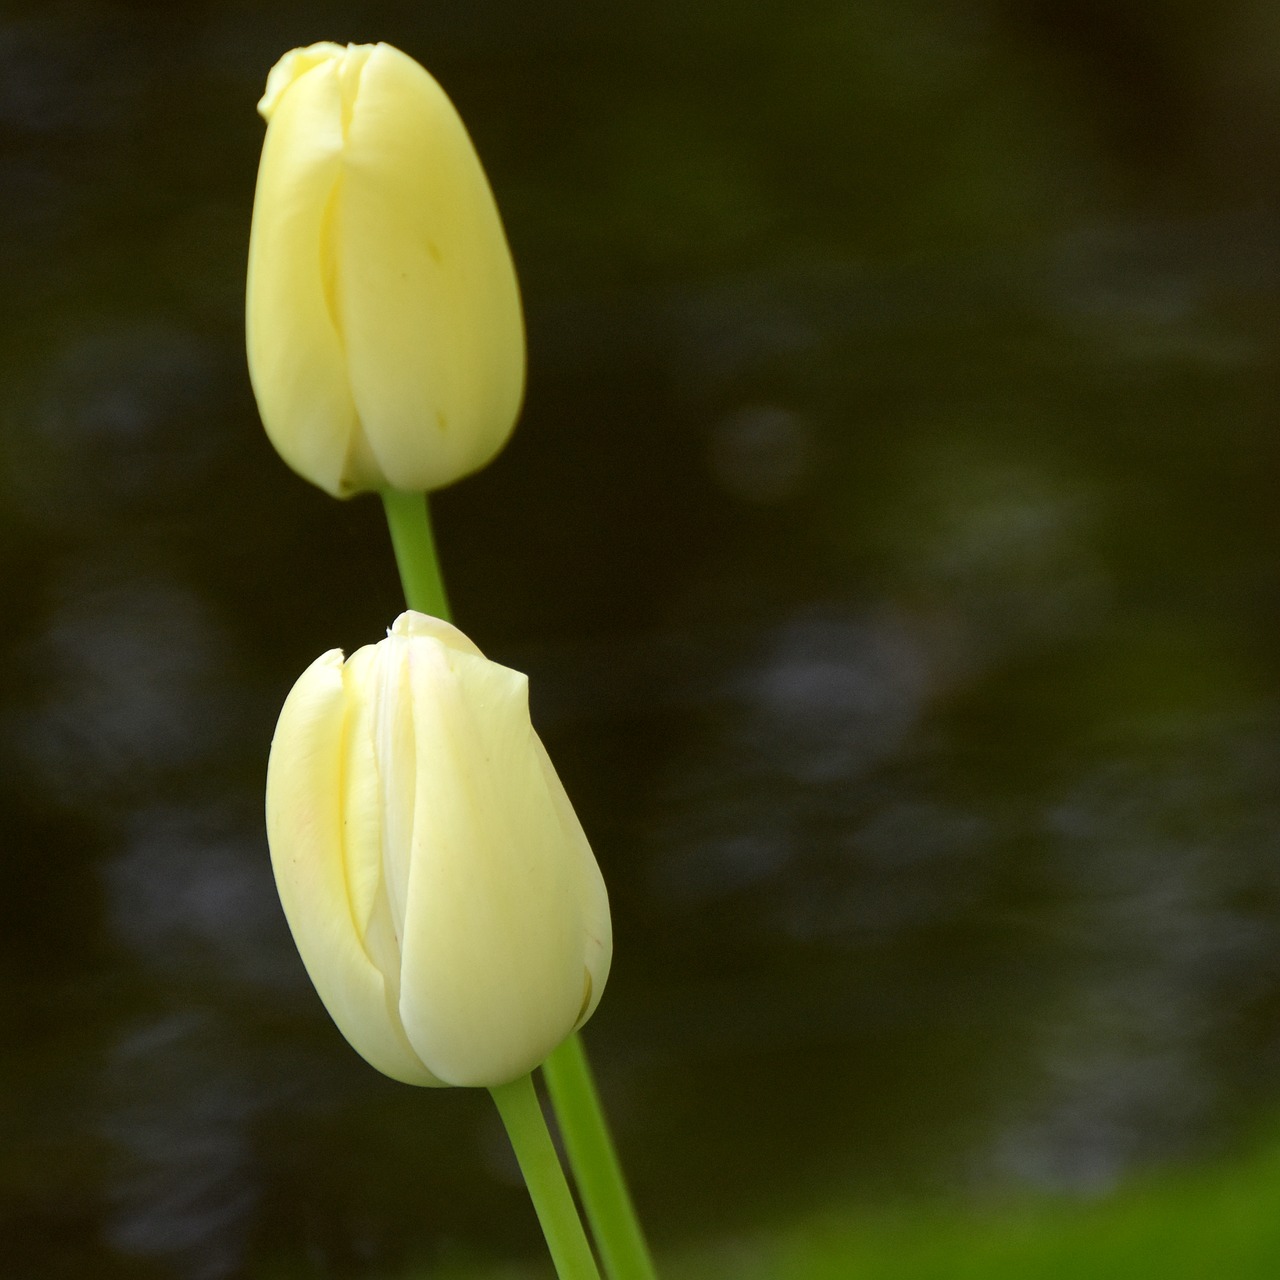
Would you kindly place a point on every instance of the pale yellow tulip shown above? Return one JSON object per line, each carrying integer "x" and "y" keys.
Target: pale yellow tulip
{"x": 385, "y": 337}
{"x": 438, "y": 884}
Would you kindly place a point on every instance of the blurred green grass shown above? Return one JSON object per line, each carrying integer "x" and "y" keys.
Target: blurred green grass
{"x": 1217, "y": 1222}
{"x": 1214, "y": 1222}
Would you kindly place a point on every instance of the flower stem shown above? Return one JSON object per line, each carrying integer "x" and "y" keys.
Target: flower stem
{"x": 582, "y": 1121}
{"x": 595, "y": 1164}
{"x": 415, "y": 548}
{"x": 518, "y": 1105}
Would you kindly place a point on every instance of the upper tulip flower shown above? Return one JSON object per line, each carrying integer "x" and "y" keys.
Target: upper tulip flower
{"x": 436, "y": 879}
{"x": 385, "y": 339}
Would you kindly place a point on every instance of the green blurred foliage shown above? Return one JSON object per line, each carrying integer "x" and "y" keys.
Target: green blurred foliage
{"x": 1217, "y": 1221}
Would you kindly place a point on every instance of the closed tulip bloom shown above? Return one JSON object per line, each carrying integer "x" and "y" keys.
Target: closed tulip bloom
{"x": 438, "y": 884}
{"x": 385, "y": 338}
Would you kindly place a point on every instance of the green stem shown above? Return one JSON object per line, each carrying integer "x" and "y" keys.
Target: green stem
{"x": 415, "y": 549}
{"x": 582, "y": 1121}
{"x": 518, "y": 1105}
{"x": 595, "y": 1164}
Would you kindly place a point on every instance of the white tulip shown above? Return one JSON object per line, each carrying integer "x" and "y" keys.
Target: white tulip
{"x": 438, "y": 884}
{"x": 385, "y": 337}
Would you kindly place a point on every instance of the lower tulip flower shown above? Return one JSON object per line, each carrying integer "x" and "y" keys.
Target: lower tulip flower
{"x": 437, "y": 882}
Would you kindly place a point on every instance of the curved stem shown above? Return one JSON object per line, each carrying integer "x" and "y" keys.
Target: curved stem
{"x": 595, "y": 1164}
{"x": 415, "y": 548}
{"x": 518, "y": 1105}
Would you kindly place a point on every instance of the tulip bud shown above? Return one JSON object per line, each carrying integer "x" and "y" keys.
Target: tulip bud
{"x": 439, "y": 887}
{"x": 385, "y": 339}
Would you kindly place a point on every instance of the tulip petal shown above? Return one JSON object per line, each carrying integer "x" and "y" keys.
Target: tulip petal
{"x": 492, "y": 976}
{"x": 413, "y": 623}
{"x": 364, "y": 822}
{"x": 429, "y": 305}
{"x": 305, "y": 825}
{"x": 396, "y": 754}
{"x": 294, "y": 64}
{"x": 297, "y": 360}
{"x": 592, "y": 896}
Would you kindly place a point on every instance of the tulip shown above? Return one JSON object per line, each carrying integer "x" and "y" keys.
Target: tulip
{"x": 437, "y": 882}
{"x": 385, "y": 338}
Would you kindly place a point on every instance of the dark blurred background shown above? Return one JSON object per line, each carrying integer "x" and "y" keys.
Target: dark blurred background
{"x": 892, "y": 542}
